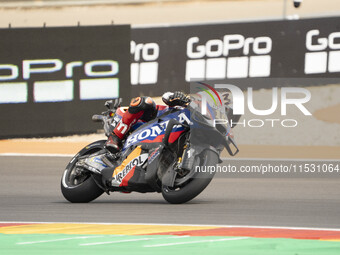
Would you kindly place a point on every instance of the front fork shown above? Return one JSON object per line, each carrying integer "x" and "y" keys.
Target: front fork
{"x": 186, "y": 161}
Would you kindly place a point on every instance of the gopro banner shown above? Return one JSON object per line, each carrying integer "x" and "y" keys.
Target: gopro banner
{"x": 52, "y": 80}
{"x": 168, "y": 58}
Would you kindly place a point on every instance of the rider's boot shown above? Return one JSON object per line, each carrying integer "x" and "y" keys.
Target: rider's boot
{"x": 113, "y": 143}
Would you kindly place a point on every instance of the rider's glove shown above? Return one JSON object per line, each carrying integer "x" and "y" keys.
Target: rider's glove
{"x": 175, "y": 98}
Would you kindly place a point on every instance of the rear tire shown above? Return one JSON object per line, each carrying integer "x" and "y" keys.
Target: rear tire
{"x": 83, "y": 189}
{"x": 195, "y": 185}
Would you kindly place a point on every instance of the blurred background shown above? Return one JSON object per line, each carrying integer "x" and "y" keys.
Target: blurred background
{"x": 100, "y": 12}
{"x": 150, "y": 41}
{"x": 142, "y": 12}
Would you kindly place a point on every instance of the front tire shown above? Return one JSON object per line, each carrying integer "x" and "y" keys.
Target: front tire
{"x": 194, "y": 186}
{"x": 81, "y": 188}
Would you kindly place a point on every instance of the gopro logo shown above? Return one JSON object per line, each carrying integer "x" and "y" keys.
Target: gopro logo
{"x": 211, "y": 60}
{"x": 324, "y": 53}
{"x": 144, "y": 70}
{"x": 54, "y": 81}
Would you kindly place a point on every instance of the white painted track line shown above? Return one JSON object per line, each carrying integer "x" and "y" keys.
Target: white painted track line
{"x": 58, "y": 240}
{"x": 200, "y": 241}
{"x": 35, "y": 155}
{"x": 226, "y": 159}
{"x": 119, "y": 241}
{"x": 132, "y": 240}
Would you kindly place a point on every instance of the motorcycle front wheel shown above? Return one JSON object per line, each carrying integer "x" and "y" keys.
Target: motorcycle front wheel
{"x": 194, "y": 186}
{"x": 79, "y": 186}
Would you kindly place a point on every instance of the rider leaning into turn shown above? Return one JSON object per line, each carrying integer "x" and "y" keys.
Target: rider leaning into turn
{"x": 145, "y": 109}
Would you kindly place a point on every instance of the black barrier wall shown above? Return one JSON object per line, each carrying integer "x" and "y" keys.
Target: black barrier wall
{"x": 52, "y": 80}
{"x": 167, "y": 58}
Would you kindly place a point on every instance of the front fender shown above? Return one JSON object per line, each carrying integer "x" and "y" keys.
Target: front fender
{"x": 188, "y": 160}
{"x": 98, "y": 145}
{"x": 199, "y": 148}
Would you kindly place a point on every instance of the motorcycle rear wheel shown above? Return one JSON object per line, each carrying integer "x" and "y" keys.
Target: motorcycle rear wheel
{"x": 194, "y": 186}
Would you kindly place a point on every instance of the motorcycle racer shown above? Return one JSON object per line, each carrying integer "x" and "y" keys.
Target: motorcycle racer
{"x": 145, "y": 109}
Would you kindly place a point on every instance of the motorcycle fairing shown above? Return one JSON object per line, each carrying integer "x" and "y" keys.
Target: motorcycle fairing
{"x": 123, "y": 173}
{"x": 136, "y": 170}
{"x": 153, "y": 132}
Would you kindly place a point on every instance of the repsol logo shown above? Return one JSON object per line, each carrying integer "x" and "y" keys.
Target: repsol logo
{"x": 324, "y": 52}
{"x": 211, "y": 60}
{"x": 138, "y": 161}
{"x": 144, "y": 69}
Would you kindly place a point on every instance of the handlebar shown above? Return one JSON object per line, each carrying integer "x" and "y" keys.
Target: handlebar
{"x": 97, "y": 118}
{"x": 105, "y": 120}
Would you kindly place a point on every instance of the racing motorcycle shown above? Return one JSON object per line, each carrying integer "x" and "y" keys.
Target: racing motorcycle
{"x": 167, "y": 155}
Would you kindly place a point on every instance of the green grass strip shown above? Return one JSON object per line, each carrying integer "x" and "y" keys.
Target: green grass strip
{"x": 53, "y": 244}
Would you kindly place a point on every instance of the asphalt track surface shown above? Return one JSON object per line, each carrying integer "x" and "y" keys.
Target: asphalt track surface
{"x": 30, "y": 191}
